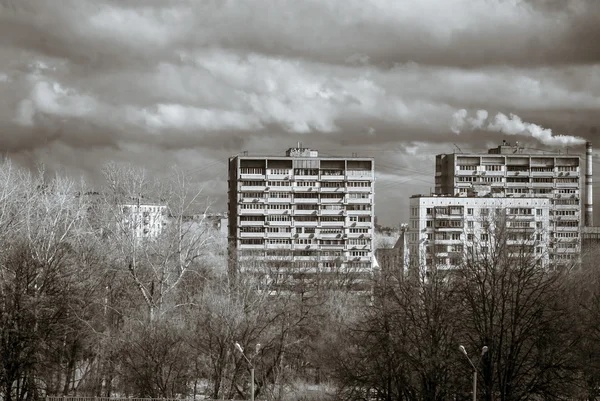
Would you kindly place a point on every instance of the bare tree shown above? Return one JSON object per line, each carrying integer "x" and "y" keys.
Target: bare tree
{"x": 511, "y": 303}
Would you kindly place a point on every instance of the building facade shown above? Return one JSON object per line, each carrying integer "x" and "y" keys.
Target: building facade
{"x": 144, "y": 220}
{"x": 395, "y": 259}
{"x": 506, "y": 171}
{"x": 443, "y": 228}
{"x": 301, "y": 213}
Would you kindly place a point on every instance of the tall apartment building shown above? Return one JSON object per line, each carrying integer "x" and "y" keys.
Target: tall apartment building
{"x": 301, "y": 213}
{"x": 506, "y": 171}
{"x": 442, "y": 228}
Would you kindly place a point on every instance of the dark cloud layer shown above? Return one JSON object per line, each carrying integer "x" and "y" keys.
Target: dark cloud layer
{"x": 192, "y": 82}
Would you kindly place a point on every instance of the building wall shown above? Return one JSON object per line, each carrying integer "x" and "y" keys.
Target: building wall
{"x": 145, "y": 220}
{"x": 302, "y": 211}
{"x": 507, "y": 172}
{"x": 442, "y": 227}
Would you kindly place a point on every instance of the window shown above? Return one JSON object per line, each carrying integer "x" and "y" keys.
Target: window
{"x": 539, "y": 212}
{"x": 470, "y": 211}
{"x": 485, "y": 237}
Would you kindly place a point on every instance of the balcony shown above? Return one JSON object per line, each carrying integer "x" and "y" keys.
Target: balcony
{"x": 305, "y": 177}
{"x": 332, "y": 177}
{"x": 576, "y": 217}
{"x": 279, "y": 235}
{"x": 252, "y": 188}
{"x": 359, "y": 175}
{"x": 311, "y": 188}
{"x": 567, "y": 185}
{"x": 252, "y": 235}
{"x": 330, "y": 201}
{"x": 279, "y": 175}
{"x": 361, "y": 247}
{"x": 362, "y": 224}
{"x": 327, "y": 212}
{"x": 360, "y": 189}
{"x": 252, "y": 223}
{"x": 251, "y": 246}
{"x": 359, "y": 201}
{"x": 463, "y": 173}
{"x": 278, "y": 211}
{"x": 333, "y": 246}
{"x": 279, "y": 200}
{"x": 521, "y": 217}
{"x": 331, "y": 236}
{"x": 311, "y": 223}
{"x": 494, "y": 173}
{"x": 301, "y": 212}
{"x": 543, "y": 174}
{"x": 252, "y": 200}
{"x": 278, "y": 223}
{"x": 247, "y": 176}
{"x": 306, "y": 200}
{"x": 279, "y": 188}
{"x": 251, "y": 212}
{"x": 332, "y": 189}
{"x": 332, "y": 223}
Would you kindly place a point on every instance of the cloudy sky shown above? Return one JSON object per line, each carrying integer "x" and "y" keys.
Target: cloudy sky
{"x": 192, "y": 82}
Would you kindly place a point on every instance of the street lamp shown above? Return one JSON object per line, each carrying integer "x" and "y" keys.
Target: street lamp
{"x": 239, "y": 348}
{"x": 483, "y": 351}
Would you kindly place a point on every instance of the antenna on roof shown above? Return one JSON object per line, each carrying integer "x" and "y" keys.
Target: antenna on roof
{"x": 459, "y": 149}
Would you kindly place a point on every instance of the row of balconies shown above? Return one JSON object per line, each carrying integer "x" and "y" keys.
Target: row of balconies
{"x": 528, "y": 173}
{"x": 291, "y": 201}
{"x": 345, "y": 188}
{"x": 345, "y": 175}
{"x": 292, "y": 212}
{"x": 317, "y": 224}
{"x": 264, "y": 234}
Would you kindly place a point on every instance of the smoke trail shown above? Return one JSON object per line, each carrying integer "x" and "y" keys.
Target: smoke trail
{"x": 509, "y": 125}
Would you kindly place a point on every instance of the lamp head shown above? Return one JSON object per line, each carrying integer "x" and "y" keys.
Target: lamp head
{"x": 239, "y": 347}
{"x": 462, "y": 349}
{"x": 484, "y": 350}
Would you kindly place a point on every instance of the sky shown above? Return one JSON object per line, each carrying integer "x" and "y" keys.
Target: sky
{"x": 192, "y": 82}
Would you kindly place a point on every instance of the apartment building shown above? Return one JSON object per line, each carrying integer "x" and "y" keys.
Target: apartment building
{"x": 301, "y": 213}
{"x": 443, "y": 227}
{"x": 506, "y": 171}
{"x": 144, "y": 220}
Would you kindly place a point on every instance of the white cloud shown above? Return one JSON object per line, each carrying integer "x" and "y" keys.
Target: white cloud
{"x": 175, "y": 116}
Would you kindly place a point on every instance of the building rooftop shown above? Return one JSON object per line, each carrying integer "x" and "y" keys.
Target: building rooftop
{"x": 299, "y": 152}
{"x": 508, "y": 148}
{"x": 472, "y": 196}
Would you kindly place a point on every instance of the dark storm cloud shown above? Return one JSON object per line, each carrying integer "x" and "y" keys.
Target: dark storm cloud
{"x": 193, "y": 82}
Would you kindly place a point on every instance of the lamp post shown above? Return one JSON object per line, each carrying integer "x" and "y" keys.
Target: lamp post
{"x": 239, "y": 348}
{"x": 483, "y": 351}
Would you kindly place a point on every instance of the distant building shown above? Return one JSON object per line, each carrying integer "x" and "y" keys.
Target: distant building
{"x": 442, "y": 228}
{"x": 144, "y": 220}
{"x": 506, "y": 171}
{"x": 395, "y": 259}
{"x": 301, "y": 212}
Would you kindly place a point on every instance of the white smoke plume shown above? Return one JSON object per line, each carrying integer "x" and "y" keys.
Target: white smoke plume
{"x": 509, "y": 125}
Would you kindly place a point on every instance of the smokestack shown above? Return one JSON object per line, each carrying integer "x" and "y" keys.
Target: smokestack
{"x": 589, "y": 202}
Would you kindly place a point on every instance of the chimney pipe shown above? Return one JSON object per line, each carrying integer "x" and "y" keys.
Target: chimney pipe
{"x": 589, "y": 187}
